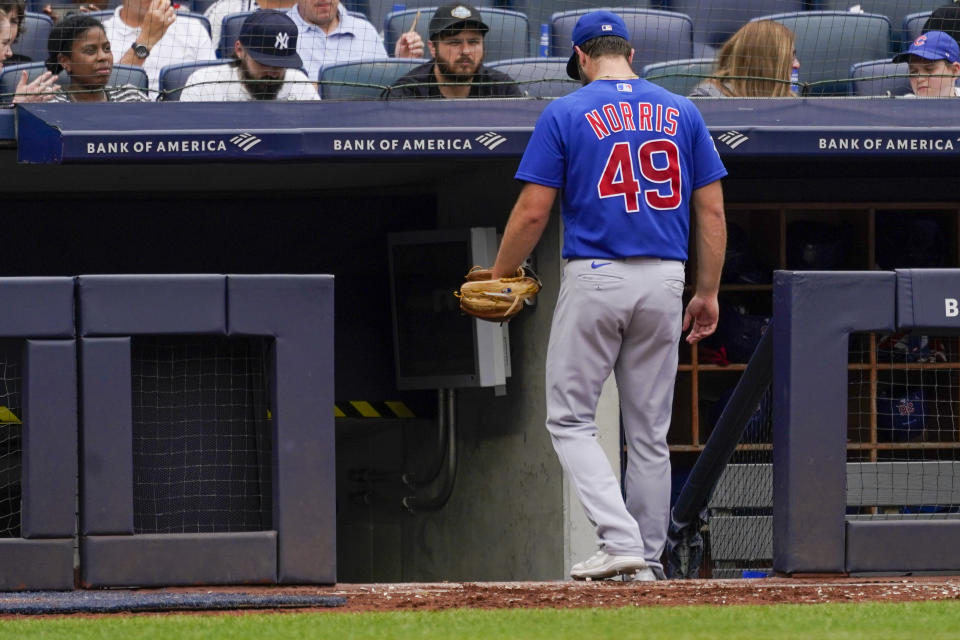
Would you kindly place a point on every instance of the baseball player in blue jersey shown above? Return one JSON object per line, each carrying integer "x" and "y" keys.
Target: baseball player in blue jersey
{"x": 631, "y": 160}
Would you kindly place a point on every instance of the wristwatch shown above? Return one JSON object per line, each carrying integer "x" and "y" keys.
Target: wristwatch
{"x": 140, "y": 50}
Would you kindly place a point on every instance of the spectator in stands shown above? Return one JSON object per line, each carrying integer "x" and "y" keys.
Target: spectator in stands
{"x": 220, "y": 9}
{"x": 946, "y": 19}
{"x": 456, "y": 71}
{"x": 266, "y": 66}
{"x": 756, "y": 62}
{"x": 148, "y": 34}
{"x": 15, "y": 10}
{"x": 329, "y": 35}
{"x": 41, "y": 89}
{"x": 934, "y": 63}
{"x": 78, "y": 45}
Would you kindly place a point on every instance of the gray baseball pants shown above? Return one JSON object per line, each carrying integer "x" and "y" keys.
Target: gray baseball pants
{"x": 622, "y": 316}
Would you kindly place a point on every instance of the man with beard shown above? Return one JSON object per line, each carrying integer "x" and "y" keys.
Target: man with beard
{"x": 266, "y": 67}
{"x": 456, "y": 44}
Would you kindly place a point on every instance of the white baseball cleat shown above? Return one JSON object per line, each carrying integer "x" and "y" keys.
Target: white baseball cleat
{"x": 604, "y": 565}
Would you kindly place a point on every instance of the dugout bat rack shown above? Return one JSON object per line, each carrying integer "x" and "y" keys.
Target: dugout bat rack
{"x": 814, "y": 314}
{"x": 295, "y": 312}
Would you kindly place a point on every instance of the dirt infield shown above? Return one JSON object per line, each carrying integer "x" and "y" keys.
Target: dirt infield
{"x": 567, "y": 594}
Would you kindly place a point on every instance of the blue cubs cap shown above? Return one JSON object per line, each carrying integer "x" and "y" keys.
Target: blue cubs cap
{"x": 593, "y": 25}
{"x": 932, "y": 45}
{"x": 270, "y": 37}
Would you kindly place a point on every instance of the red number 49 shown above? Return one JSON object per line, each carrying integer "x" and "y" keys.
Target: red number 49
{"x": 619, "y": 177}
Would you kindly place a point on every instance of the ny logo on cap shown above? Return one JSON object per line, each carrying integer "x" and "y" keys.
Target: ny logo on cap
{"x": 461, "y": 12}
{"x": 606, "y": 27}
{"x": 283, "y": 41}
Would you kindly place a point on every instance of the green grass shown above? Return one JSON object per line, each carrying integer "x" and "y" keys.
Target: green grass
{"x": 872, "y": 621}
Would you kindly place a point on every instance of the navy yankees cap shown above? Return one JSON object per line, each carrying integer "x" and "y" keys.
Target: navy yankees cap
{"x": 593, "y": 25}
{"x": 270, "y": 37}
{"x": 459, "y": 16}
{"x": 932, "y": 45}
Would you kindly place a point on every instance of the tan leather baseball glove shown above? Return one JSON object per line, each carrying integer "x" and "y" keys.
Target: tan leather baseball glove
{"x": 496, "y": 300}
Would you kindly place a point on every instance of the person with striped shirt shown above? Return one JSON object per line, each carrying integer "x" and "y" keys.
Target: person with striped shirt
{"x": 78, "y": 44}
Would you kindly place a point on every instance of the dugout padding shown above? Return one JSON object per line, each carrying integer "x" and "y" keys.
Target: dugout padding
{"x": 814, "y": 315}
{"x": 295, "y": 313}
{"x": 40, "y": 312}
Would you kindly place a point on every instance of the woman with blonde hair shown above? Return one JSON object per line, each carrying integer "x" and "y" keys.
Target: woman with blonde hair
{"x": 756, "y": 62}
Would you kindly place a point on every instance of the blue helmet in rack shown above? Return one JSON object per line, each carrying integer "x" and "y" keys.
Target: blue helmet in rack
{"x": 901, "y": 413}
{"x": 815, "y": 245}
{"x": 910, "y": 242}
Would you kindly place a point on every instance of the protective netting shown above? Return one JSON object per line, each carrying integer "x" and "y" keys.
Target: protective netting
{"x": 903, "y": 446}
{"x": 903, "y": 450}
{"x": 740, "y": 524}
{"x": 368, "y": 49}
{"x": 11, "y": 442}
{"x": 201, "y": 435}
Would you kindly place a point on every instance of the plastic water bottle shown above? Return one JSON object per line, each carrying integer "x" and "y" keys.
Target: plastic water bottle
{"x": 544, "y": 40}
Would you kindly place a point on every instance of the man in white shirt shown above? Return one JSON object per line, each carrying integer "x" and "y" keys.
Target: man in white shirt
{"x": 266, "y": 67}
{"x": 150, "y": 34}
{"x": 329, "y": 35}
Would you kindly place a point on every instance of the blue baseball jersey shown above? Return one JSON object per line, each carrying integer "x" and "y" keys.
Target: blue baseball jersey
{"x": 627, "y": 155}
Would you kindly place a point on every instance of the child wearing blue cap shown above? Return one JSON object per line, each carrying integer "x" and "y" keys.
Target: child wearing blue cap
{"x": 934, "y": 62}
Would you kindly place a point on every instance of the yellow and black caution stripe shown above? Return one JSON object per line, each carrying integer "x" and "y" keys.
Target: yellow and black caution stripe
{"x": 370, "y": 409}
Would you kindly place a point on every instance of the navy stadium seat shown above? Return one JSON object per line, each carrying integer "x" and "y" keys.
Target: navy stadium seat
{"x": 715, "y": 21}
{"x": 670, "y": 74}
{"x": 34, "y": 35}
{"x": 377, "y": 75}
{"x": 173, "y": 78}
{"x": 229, "y": 32}
{"x": 201, "y": 6}
{"x": 539, "y": 77}
{"x": 830, "y": 42}
{"x": 377, "y": 10}
{"x": 895, "y": 10}
{"x": 538, "y": 12}
{"x": 913, "y": 25}
{"x": 656, "y": 35}
{"x": 121, "y": 75}
{"x": 866, "y": 78}
{"x": 508, "y": 36}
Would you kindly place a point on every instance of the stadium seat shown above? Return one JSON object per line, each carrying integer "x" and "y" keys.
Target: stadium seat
{"x": 508, "y": 36}
{"x": 830, "y": 42}
{"x": 895, "y": 10}
{"x": 538, "y": 12}
{"x": 539, "y": 77}
{"x": 376, "y": 74}
{"x": 229, "y": 32}
{"x": 121, "y": 75}
{"x": 201, "y": 6}
{"x": 670, "y": 74}
{"x": 913, "y": 25}
{"x": 866, "y": 81}
{"x": 715, "y": 21}
{"x": 377, "y": 10}
{"x": 33, "y": 42}
{"x": 173, "y": 78}
{"x": 656, "y": 35}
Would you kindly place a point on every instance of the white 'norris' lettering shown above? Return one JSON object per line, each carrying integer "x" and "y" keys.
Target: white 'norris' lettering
{"x": 624, "y": 116}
